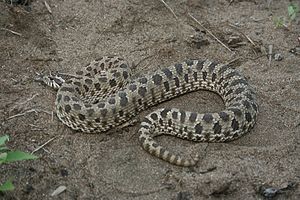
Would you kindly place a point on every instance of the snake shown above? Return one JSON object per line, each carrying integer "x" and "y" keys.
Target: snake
{"x": 104, "y": 95}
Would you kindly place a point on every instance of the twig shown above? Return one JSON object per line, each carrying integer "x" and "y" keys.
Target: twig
{"x": 247, "y": 37}
{"x": 13, "y": 32}
{"x": 169, "y": 8}
{"x": 48, "y": 7}
{"x": 24, "y": 102}
{"x": 210, "y": 32}
{"x": 43, "y": 145}
{"x": 28, "y": 111}
{"x": 270, "y": 54}
{"x": 22, "y": 114}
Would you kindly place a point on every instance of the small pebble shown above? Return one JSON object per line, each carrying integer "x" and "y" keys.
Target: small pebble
{"x": 270, "y": 192}
{"x": 278, "y": 57}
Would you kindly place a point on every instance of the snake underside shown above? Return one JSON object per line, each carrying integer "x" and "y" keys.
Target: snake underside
{"x": 103, "y": 95}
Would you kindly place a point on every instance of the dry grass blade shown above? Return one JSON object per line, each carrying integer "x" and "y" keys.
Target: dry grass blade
{"x": 210, "y": 32}
{"x": 13, "y": 32}
{"x": 169, "y": 8}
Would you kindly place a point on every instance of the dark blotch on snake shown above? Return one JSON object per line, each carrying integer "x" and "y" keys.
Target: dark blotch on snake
{"x": 112, "y": 83}
{"x": 97, "y": 86}
{"x": 248, "y": 117}
{"x": 103, "y": 112}
{"x": 217, "y": 128}
{"x": 67, "y": 89}
{"x": 213, "y": 77}
{"x": 86, "y": 88}
{"x": 164, "y": 112}
{"x": 170, "y": 123}
{"x": 76, "y": 106}
{"x": 98, "y": 59}
{"x": 77, "y": 83}
{"x": 143, "y": 80}
{"x": 167, "y": 72}
{"x": 125, "y": 74}
{"x": 123, "y": 98}
{"x": 175, "y": 115}
{"x": 176, "y": 79}
{"x": 89, "y": 68}
{"x": 142, "y": 91}
{"x": 223, "y": 69}
{"x": 182, "y": 116}
{"x": 146, "y": 120}
{"x": 67, "y": 98}
{"x": 235, "y": 125}
{"x": 193, "y": 117}
{"x": 101, "y": 105}
{"x": 123, "y": 65}
{"x": 186, "y": 78}
{"x": 212, "y": 67}
{"x": 112, "y": 101}
{"x": 189, "y": 62}
{"x": 67, "y": 108}
{"x": 79, "y": 72}
{"x": 97, "y": 120}
{"x": 198, "y": 129}
{"x": 90, "y": 112}
{"x": 204, "y": 74}
{"x": 81, "y": 117}
{"x": 132, "y": 87}
{"x": 208, "y": 118}
{"x": 167, "y": 86}
{"x": 154, "y": 116}
{"x": 236, "y": 111}
{"x": 195, "y": 75}
{"x": 102, "y": 66}
{"x": 200, "y": 65}
{"x": 157, "y": 79}
{"x": 102, "y": 79}
{"x": 179, "y": 68}
{"x": 59, "y": 96}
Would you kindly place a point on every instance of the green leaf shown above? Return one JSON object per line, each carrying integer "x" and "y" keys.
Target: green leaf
{"x": 292, "y": 11}
{"x": 7, "y": 186}
{"x": 3, "y": 157}
{"x": 3, "y": 139}
{"x": 18, "y": 155}
{"x": 3, "y": 149}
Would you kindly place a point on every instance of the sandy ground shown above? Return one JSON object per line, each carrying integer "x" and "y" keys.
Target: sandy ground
{"x": 113, "y": 165}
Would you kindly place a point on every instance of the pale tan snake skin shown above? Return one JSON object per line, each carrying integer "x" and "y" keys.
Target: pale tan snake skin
{"x": 103, "y": 96}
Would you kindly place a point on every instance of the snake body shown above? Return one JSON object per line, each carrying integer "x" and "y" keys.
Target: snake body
{"x": 103, "y": 95}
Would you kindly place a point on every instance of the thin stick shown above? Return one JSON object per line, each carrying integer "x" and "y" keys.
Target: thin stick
{"x": 169, "y": 8}
{"x": 48, "y": 7}
{"x": 24, "y": 102}
{"x": 246, "y": 36}
{"x": 28, "y": 111}
{"x": 270, "y": 54}
{"x": 210, "y": 32}
{"x": 21, "y": 114}
{"x": 43, "y": 145}
{"x": 13, "y": 32}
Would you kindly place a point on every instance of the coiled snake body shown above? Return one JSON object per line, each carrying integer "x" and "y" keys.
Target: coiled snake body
{"x": 103, "y": 96}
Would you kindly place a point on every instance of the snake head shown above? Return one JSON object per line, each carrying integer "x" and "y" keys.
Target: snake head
{"x": 51, "y": 80}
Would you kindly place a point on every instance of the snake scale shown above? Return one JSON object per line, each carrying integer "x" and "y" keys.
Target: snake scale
{"x": 103, "y": 95}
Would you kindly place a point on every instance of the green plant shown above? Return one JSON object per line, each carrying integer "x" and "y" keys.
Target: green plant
{"x": 8, "y": 156}
{"x": 292, "y": 9}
